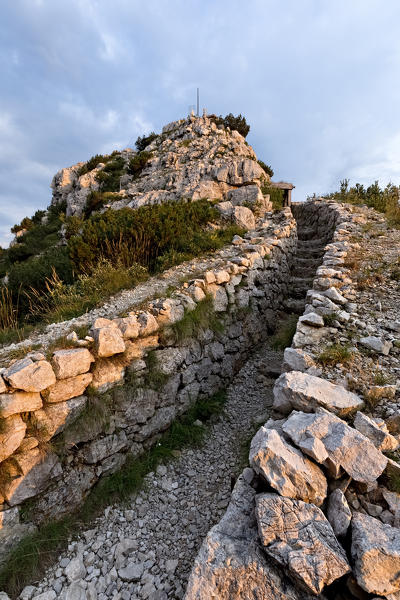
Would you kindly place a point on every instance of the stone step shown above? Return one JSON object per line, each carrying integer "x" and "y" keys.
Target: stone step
{"x": 299, "y": 291}
{"x": 310, "y": 253}
{"x": 302, "y": 271}
{"x": 306, "y": 233}
{"x": 298, "y": 281}
{"x": 316, "y": 243}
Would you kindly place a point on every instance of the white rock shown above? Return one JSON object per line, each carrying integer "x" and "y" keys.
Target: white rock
{"x": 295, "y": 359}
{"x": 379, "y": 436}
{"x": 312, "y": 319}
{"x": 132, "y": 572}
{"x": 285, "y": 468}
{"x": 376, "y": 344}
{"x": 330, "y": 441}
{"x": 334, "y": 295}
{"x": 30, "y": 376}
{"x": 108, "y": 341}
{"x": 339, "y": 513}
{"x": 296, "y": 390}
{"x": 298, "y": 536}
{"x": 75, "y": 569}
{"x": 375, "y": 549}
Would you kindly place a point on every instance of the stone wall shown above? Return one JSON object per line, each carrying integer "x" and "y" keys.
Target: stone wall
{"x": 312, "y": 515}
{"x": 69, "y": 416}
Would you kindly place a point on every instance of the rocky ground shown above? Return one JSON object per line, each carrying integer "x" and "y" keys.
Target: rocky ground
{"x": 131, "y": 553}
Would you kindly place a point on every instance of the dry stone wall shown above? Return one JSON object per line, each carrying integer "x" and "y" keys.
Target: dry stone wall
{"x": 313, "y": 507}
{"x": 69, "y": 416}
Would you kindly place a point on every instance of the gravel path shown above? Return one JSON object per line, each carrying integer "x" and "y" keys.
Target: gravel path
{"x": 146, "y": 549}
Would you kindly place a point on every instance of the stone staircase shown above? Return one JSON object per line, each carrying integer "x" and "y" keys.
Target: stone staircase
{"x": 309, "y": 254}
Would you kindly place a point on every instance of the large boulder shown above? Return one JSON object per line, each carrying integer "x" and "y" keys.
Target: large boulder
{"x": 71, "y": 362}
{"x": 295, "y": 359}
{"x": 231, "y": 565}
{"x": 375, "y": 549}
{"x": 300, "y": 391}
{"x": 333, "y": 443}
{"x": 247, "y": 195}
{"x": 54, "y": 418}
{"x": 30, "y": 376}
{"x": 285, "y": 468}
{"x": 243, "y": 217}
{"x": 299, "y": 537}
{"x": 376, "y": 344}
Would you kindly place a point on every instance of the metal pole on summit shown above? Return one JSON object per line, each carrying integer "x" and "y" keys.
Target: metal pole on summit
{"x": 198, "y": 95}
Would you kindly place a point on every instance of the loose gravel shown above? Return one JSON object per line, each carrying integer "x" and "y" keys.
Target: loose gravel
{"x": 145, "y": 549}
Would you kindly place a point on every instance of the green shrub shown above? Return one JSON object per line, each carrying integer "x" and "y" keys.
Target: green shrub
{"x": 201, "y": 318}
{"x": 335, "y": 353}
{"x": 92, "y": 163}
{"x": 142, "y": 142}
{"x": 138, "y": 162}
{"x": 384, "y": 200}
{"x": 151, "y": 235}
{"x": 276, "y": 195}
{"x": 109, "y": 177}
{"x": 269, "y": 170}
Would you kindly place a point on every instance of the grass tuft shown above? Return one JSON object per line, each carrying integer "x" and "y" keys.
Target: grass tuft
{"x": 201, "y": 318}
{"x": 335, "y": 353}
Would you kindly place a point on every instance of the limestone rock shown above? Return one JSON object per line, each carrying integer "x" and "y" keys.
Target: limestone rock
{"x": 298, "y": 536}
{"x": 376, "y": 344}
{"x": 312, "y": 319}
{"x": 30, "y": 376}
{"x": 108, "y": 341}
{"x": 27, "y": 474}
{"x": 246, "y": 195}
{"x": 375, "y": 549}
{"x": 12, "y": 433}
{"x": 330, "y": 441}
{"x": 148, "y": 323}
{"x": 19, "y": 402}
{"x": 339, "y": 513}
{"x": 129, "y": 327}
{"x": 75, "y": 569}
{"x": 295, "y": 359}
{"x": 65, "y": 389}
{"x": 334, "y": 295}
{"x": 107, "y": 373}
{"x": 231, "y": 565}
{"x": 285, "y": 468}
{"x": 103, "y": 447}
{"x": 132, "y": 572}
{"x": 296, "y": 390}
{"x": 376, "y": 431}
{"x": 219, "y": 296}
{"x": 53, "y": 419}
{"x": 243, "y": 217}
{"x": 71, "y": 362}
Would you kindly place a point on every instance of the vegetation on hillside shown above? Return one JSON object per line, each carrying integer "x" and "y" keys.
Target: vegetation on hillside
{"x": 238, "y": 123}
{"x": 51, "y": 280}
{"x": 385, "y": 200}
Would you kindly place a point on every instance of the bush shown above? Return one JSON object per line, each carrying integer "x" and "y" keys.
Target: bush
{"x": 92, "y": 164}
{"x": 384, "y": 200}
{"x": 109, "y": 177}
{"x": 142, "y": 142}
{"x": 234, "y": 123}
{"x": 269, "y": 170}
{"x": 138, "y": 162}
{"x": 275, "y": 195}
{"x": 151, "y": 235}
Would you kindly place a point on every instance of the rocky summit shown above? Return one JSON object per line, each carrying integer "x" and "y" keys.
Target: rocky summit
{"x": 192, "y": 158}
{"x": 206, "y": 402}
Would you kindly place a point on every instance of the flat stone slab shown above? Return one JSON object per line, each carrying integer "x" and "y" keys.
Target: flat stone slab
{"x": 333, "y": 443}
{"x": 71, "y": 362}
{"x": 375, "y": 549}
{"x": 300, "y": 391}
{"x": 285, "y": 468}
{"x": 299, "y": 537}
{"x": 376, "y": 344}
{"x": 231, "y": 565}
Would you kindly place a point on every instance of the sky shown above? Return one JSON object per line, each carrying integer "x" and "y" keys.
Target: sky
{"x": 317, "y": 80}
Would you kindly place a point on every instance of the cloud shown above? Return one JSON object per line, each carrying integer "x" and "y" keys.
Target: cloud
{"x": 317, "y": 81}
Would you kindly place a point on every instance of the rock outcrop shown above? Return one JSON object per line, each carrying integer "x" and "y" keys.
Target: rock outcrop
{"x": 192, "y": 158}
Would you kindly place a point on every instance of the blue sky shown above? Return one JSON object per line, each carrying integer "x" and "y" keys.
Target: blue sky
{"x": 318, "y": 81}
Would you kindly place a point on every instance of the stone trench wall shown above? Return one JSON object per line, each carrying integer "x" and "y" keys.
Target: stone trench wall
{"x": 311, "y": 516}
{"x": 70, "y": 416}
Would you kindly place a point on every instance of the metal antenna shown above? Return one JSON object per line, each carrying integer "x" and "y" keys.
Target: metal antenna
{"x": 198, "y": 96}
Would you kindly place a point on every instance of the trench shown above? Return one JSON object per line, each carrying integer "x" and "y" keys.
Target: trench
{"x": 145, "y": 549}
